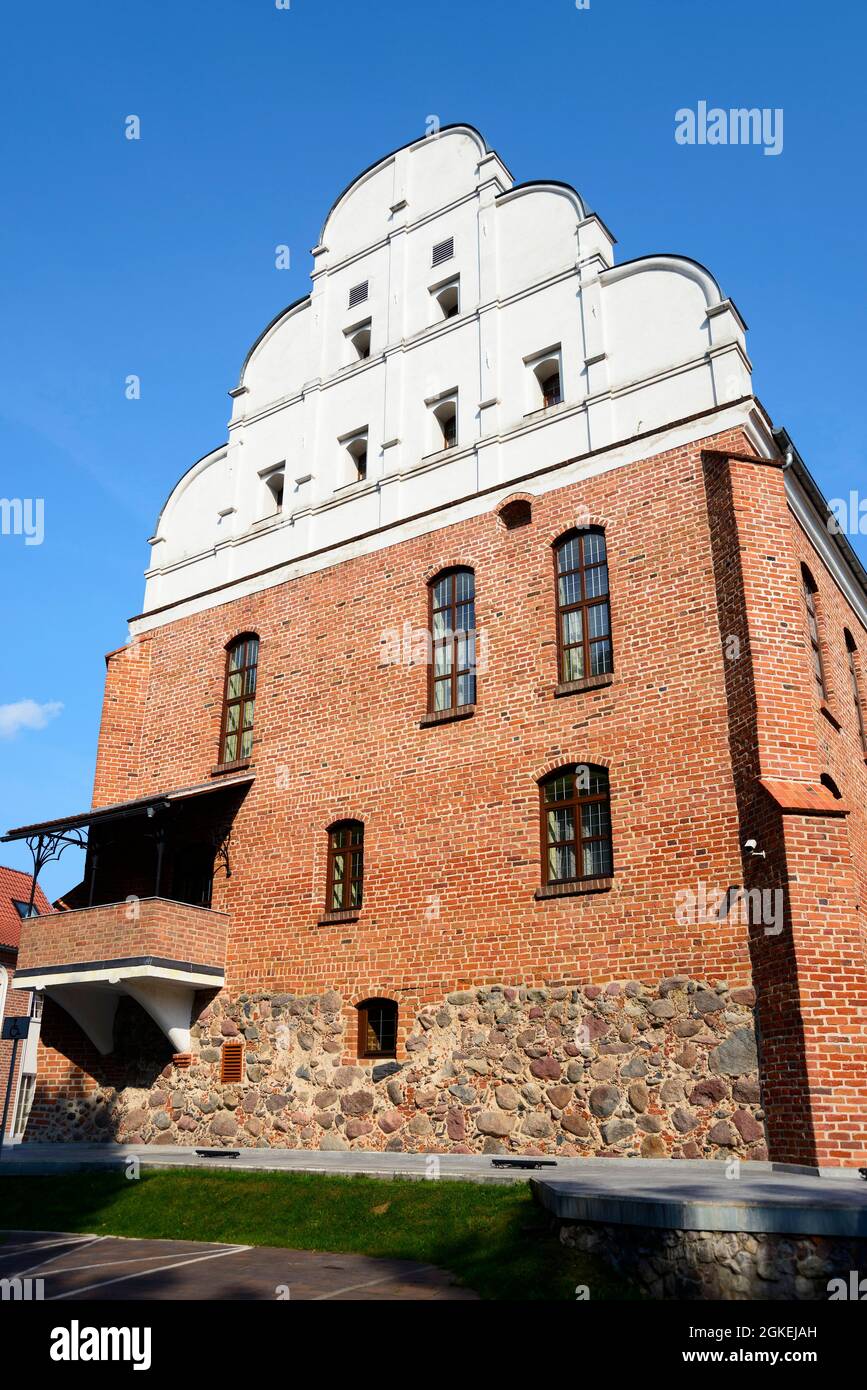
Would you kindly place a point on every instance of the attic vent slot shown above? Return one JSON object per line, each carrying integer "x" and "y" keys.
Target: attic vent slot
{"x": 358, "y": 294}
{"x": 443, "y": 251}
{"x": 232, "y": 1063}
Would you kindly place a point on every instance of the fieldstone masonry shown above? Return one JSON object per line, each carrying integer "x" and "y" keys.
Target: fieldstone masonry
{"x": 722, "y": 1264}
{"x": 623, "y": 1069}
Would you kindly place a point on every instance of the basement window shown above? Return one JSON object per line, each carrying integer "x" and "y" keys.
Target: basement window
{"x": 377, "y": 1028}
{"x": 232, "y": 1063}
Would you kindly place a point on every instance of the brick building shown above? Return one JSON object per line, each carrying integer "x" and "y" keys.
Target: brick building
{"x": 486, "y": 770}
{"x": 17, "y": 1054}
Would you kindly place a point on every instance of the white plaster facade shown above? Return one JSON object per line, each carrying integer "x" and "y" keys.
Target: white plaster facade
{"x": 643, "y": 347}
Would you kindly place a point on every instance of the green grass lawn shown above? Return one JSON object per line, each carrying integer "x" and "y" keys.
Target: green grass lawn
{"x": 492, "y": 1237}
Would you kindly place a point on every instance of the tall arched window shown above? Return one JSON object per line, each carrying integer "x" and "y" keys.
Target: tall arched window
{"x": 583, "y": 610}
{"x": 239, "y": 701}
{"x": 854, "y": 679}
{"x": 452, "y": 680}
{"x": 576, "y": 824}
{"x": 377, "y": 1028}
{"x": 345, "y": 866}
{"x": 811, "y": 592}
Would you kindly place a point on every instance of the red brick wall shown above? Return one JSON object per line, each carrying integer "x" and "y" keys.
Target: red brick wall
{"x": 451, "y": 812}
{"x": 700, "y": 550}
{"x": 811, "y": 978}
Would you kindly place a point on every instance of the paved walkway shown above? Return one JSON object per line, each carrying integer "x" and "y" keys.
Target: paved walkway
{"x": 54, "y": 1158}
{"x": 77, "y": 1268}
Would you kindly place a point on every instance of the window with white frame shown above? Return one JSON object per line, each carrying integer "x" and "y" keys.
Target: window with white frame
{"x": 444, "y": 418}
{"x": 447, "y": 298}
{"x": 358, "y": 340}
{"x": 545, "y": 379}
{"x": 355, "y": 451}
{"x": 274, "y": 480}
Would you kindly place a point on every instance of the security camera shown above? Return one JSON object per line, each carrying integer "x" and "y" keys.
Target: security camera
{"x": 752, "y": 848}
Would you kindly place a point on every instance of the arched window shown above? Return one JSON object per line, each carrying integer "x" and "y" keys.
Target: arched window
{"x": 576, "y": 824}
{"x": 377, "y": 1028}
{"x": 452, "y": 680}
{"x": 854, "y": 679}
{"x": 583, "y": 610}
{"x": 236, "y": 735}
{"x": 811, "y": 592}
{"x": 345, "y": 866}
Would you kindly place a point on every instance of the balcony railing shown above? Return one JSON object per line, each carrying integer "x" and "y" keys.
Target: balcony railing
{"x": 145, "y": 932}
{"x": 157, "y": 951}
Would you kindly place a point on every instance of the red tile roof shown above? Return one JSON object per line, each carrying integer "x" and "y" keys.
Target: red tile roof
{"x": 15, "y": 887}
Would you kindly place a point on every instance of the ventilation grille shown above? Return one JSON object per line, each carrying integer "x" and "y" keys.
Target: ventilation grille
{"x": 232, "y": 1063}
{"x": 443, "y": 251}
{"x": 358, "y": 294}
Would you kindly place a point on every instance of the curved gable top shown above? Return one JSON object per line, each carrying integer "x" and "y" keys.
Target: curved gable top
{"x": 387, "y": 161}
{"x": 555, "y": 186}
{"x": 679, "y": 265}
{"x": 275, "y": 322}
{"x": 206, "y": 461}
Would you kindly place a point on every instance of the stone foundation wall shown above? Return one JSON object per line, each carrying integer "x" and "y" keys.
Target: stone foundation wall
{"x": 723, "y": 1264}
{"x": 626, "y": 1070}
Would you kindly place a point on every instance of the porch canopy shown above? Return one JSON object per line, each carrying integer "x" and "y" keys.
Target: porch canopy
{"x": 48, "y": 839}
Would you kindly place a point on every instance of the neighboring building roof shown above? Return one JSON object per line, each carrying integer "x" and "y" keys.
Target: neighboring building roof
{"x": 15, "y": 887}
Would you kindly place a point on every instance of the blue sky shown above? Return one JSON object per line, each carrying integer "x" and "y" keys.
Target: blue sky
{"x": 156, "y": 257}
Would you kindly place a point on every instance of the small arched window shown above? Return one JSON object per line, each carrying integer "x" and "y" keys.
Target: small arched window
{"x": 811, "y": 602}
{"x": 583, "y": 609}
{"x": 239, "y": 701}
{"x": 345, "y": 866}
{"x": 452, "y": 679}
{"x": 576, "y": 824}
{"x": 377, "y": 1028}
{"x": 855, "y": 683}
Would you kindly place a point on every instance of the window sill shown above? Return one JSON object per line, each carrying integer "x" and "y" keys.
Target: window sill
{"x": 569, "y": 890}
{"x": 831, "y": 718}
{"x": 349, "y": 914}
{"x": 223, "y": 769}
{"x": 446, "y": 716}
{"x": 543, "y": 410}
{"x": 586, "y": 683}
